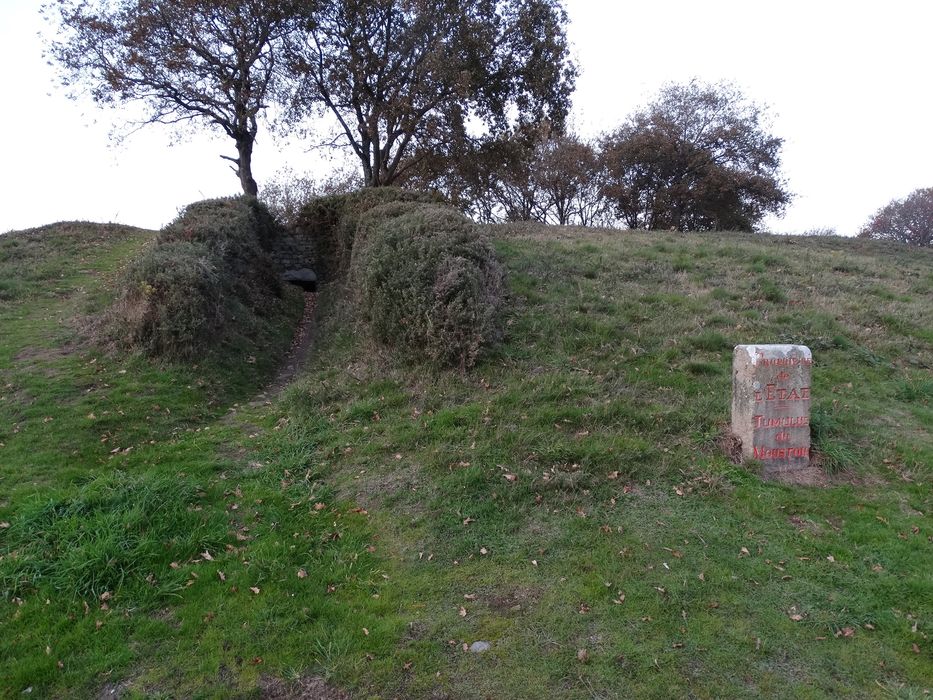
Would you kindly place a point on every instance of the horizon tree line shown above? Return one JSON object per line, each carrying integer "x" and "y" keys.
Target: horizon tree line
{"x": 466, "y": 97}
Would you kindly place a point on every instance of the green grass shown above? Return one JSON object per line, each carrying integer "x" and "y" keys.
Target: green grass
{"x": 569, "y": 494}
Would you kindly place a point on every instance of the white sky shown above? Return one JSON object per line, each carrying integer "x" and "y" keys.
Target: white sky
{"x": 848, "y": 84}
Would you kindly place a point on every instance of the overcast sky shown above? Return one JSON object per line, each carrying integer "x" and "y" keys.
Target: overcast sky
{"x": 848, "y": 84}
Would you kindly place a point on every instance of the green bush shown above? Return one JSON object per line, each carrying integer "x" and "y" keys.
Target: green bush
{"x": 171, "y": 301}
{"x": 427, "y": 281}
{"x": 332, "y": 222}
{"x": 239, "y": 232}
{"x": 206, "y": 280}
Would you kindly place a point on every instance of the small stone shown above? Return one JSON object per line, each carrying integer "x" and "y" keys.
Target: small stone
{"x": 480, "y": 647}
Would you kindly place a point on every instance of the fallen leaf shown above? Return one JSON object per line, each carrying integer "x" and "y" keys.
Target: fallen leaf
{"x": 511, "y": 478}
{"x": 207, "y": 555}
{"x": 744, "y": 551}
{"x": 612, "y": 476}
{"x": 462, "y": 612}
{"x": 469, "y": 596}
{"x": 175, "y": 565}
{"x": 483, "y": 551}
{"x": 254, "y": 589}
{"x": 831, "y": 559}
{"x": 221, "y": 575}
{"x": 467, "y": 521}
{"x": 583, "y": 656}
{"x": 915, "y": 648}
{"x": 848, "y": 632}
{"x": 796, "y": 617}
{"x": 106, "y": 595}
{"x": 4, "y": 525}
{"x": 319, "y": 506}
{"x": 365, "y": 631}
{"x": 302, "y": 573}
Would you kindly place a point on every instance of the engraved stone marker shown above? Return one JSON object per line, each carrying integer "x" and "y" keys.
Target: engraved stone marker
{"x": 771, "y": 404}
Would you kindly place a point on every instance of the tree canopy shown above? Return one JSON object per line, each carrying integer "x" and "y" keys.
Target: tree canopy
{"x": 908, "y": 220}
{"x": 211, "y": 62}
{"x": 699, "y": 157}
{"x": 406, "y": 78}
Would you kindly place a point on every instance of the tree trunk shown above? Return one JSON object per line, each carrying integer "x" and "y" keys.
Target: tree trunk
{"x": 244, "y": 149}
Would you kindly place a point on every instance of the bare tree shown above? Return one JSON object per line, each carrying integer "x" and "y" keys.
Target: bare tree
{"x": 908, "y": 220}
{"x": 210, "y": 62}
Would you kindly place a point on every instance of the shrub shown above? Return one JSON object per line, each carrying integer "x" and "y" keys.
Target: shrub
{"x": 238, "y": 232}
{"x": 332, "y": 222}
{"x": 207, "y": 279}
{"x": 427, "y": 281}
{"x": 171, "y": 301}
{"x": 287, "y": 192}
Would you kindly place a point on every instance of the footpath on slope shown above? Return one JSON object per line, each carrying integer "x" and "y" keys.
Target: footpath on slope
{"x": 297, "y": 354}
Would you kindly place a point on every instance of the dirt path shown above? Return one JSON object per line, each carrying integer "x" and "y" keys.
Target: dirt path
{"x": 297, "y": 354}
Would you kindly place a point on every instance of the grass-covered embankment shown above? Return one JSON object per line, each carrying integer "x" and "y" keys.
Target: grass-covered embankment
{"x": 567, "y": 500}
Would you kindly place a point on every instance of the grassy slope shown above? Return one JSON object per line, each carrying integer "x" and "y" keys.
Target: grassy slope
{"x": 374, "y": 495}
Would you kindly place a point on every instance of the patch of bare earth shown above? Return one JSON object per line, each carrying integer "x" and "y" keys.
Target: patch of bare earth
{"x": 301, "y": 347}
{"x": 34, "y": 355}
{"x": 372, "y": 488}
{"x": 814, "y": 475}
{"x": 514, "y": 601}
{"x": 305, "y": 688}
{"x": 113, "y": 691}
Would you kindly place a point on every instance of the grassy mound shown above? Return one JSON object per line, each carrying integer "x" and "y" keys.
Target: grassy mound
{"x": 567, "y": 502}
{"x": 207, "y": 280}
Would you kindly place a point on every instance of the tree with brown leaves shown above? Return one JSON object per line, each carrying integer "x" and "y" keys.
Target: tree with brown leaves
{"x": 908, "y": 220}
{"x": 700, "y": 157}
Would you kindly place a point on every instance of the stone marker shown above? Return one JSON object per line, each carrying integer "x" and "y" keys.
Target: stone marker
{"x": 771, "y": 404}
